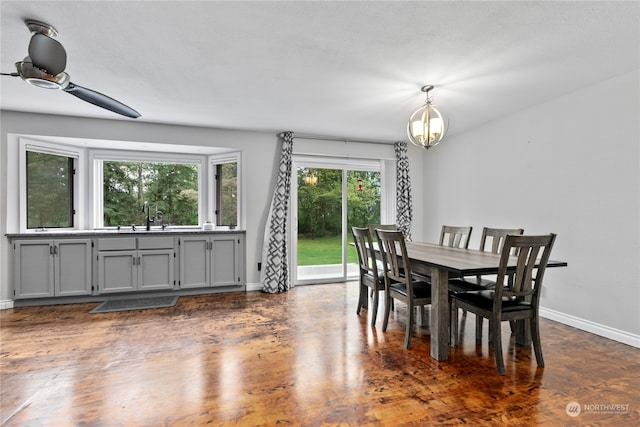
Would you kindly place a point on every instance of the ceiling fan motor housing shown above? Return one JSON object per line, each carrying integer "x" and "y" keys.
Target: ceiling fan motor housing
{"x": 47, "y": 54}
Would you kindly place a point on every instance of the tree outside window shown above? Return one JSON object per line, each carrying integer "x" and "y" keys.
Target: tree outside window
{"x": 49, "y": 190}
{"x": 226, "y": 193}
{"x": 171, "y": 189}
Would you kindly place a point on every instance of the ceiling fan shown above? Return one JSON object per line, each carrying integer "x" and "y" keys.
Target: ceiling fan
{"x": 44, "y": 67}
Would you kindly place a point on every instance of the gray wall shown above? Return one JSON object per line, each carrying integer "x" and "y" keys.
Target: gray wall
{"x": 570, "y": 166}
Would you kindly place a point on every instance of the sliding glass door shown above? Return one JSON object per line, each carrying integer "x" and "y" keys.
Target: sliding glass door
{"x": 330, "y": 197}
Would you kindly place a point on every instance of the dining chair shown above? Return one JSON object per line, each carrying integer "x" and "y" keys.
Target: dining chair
{"x": 372, "y": 228}
{"x": 455, "y": 237}
{"x": 400, "y": 284}
{"x": 510, "y": 300}
{"x": 370, "y": 275}
{"x": 491, "y": 240}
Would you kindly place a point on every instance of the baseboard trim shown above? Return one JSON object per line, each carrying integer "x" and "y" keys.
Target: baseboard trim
{"x": 254, "y": 287}
{"x": 592, "y": 327}
{"x": 5, "y": 304}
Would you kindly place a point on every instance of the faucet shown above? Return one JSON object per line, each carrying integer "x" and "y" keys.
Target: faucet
{"x": 147, "y": 211}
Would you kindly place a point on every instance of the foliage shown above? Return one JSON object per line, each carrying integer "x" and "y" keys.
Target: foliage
{"x": 49, "y": 190}
{"x": 228, "y": 205}
{"x": 170, "y": 188}
{"x": 320, "y": 204}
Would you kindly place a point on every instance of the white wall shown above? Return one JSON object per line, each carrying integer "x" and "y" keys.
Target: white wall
{"x": 260, "y": 151}
{"x": 570, "y": 166}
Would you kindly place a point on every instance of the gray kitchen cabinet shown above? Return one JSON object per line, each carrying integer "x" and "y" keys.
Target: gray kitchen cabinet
{"x": 79, "y": 265}
{"x": 195, "y": 261}
{"x": 47, "y": 268}
{"x": 211, "y": 261}
{"x": 135, "y": 264}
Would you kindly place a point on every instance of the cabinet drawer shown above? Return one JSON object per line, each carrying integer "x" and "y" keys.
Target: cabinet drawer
{"x": 165, "y": 242}
{"x": 117, "y": 244}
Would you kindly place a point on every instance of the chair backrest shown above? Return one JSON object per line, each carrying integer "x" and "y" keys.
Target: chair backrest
{"x": 533, "y": 255}
{"x": 365, "y": 250}
{"x": 372, "y": 228}
{"x": 497, "y": 236}
{"x": 394, "y": 255}
{"x": 455, "y": 237}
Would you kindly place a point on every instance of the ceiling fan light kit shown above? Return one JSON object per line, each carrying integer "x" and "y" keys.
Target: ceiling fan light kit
{"x": 45, "y": 65}
{"x": 427, "y": 127}
{"x": 40, "y": 78}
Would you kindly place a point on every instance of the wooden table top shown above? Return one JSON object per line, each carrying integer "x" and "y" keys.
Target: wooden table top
{"x": 465, "y": 262}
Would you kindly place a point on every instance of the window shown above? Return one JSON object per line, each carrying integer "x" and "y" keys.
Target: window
{"x": 49, "y": 190}
{"x": 170, "y": 189}
{"x": 226, "y": 194}
{"x": 225, "y": 178}
{"x": 91, "y": 184}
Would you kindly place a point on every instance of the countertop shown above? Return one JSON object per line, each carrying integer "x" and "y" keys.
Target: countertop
{"x": 124, "y": 231}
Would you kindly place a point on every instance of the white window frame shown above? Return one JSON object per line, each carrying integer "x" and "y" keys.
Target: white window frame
{"x": 344, "y": 164}
{"x": 79, "y": 156}
{"x": 88, "y": 185}
{"x": 217, "y": 159}
{"x": 96, "y": 171}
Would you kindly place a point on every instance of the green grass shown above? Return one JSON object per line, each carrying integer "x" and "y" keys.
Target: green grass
{"x": 325, "y": 250}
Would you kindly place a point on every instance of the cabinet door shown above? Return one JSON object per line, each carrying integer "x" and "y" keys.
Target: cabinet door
{"x": 224, "y": 260}
{"x": 33, "y": 269}
{"x": 155, "y": 269}
{"x": 72, "y": 259}
{"x": 194, "y": 262}
{"x": 117, "y": 271}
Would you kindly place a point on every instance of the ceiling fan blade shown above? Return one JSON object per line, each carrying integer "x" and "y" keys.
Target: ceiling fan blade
{"x": 101, "y": 100}
{"x": 47, "y": 54}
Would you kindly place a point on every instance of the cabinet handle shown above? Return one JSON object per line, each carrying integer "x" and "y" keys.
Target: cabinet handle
{"x": 138, "y": 260}
{"x": 133, "y": 260}
{"x": 55, "y": 250}
{"x": 50, "y": 250}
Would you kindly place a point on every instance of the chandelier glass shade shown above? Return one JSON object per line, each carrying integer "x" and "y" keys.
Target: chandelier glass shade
{"x": 311, "y": 179}
{"x": 426, "y": 126}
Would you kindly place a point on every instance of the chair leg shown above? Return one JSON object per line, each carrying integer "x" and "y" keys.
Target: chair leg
{"x": 374, "y": 310}
{"x": 453, "y": 326}
{"x": 387, "y": 308}
{"x": 494, "y": 326}
{"x": 478, "y": 327}
{"x": 362, "y": 298}
{"x": 535, "y": 336}
{"x": 410, "y": 320}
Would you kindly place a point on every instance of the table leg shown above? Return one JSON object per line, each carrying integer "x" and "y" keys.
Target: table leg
{"x": 440, "y": 314}
{"x": 523, "y": 333}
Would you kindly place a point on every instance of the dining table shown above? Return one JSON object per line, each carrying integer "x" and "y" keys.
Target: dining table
{"x": 440, "y": 262}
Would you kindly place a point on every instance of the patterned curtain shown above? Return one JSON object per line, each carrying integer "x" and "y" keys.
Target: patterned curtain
{"x": 404, "y": 208}
{"x": 275, "y": 263}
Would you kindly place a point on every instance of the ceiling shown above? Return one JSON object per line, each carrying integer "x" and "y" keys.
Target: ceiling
{"x": 347, "y": 69}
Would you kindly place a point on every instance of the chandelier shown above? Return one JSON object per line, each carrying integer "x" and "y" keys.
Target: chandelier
{"x": 426, "y": 126}
{"x": 311, "y": 179}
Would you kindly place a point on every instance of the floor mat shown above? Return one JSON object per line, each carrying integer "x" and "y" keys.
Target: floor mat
{"x": 135, "y": 304}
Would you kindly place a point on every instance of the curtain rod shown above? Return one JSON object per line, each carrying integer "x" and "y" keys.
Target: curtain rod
{"x": 337, "y": 139}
